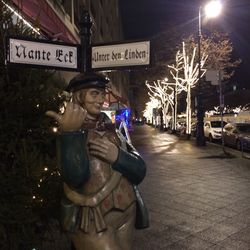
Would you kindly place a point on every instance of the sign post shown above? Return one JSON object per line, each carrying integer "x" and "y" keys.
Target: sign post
{"x": 85, "y": 35}
{"x": 82, "y": 57}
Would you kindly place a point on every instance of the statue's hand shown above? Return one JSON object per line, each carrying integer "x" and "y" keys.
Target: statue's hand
{"x": 104, "y": 149}
{"x": 72, "y": 119}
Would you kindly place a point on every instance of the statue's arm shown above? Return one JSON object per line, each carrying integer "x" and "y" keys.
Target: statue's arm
{"x": 130, "y": 164}
{"x": 73, "y": 158}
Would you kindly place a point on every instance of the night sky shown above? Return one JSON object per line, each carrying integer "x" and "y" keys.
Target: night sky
{"x": 143, "y": 19}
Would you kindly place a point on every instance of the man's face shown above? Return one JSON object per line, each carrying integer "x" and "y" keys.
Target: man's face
{"x": 93, "y": 101}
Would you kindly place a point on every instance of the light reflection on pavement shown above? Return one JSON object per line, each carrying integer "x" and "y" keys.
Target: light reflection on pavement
{"x": 197, "y": 197}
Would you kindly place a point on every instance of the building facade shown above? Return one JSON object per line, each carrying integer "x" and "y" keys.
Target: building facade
{"x": 58, "y": 20}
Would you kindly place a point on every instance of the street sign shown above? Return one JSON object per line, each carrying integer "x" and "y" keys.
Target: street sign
{"x": 41, "y": 53}
{"x": 56, "y": 55}
{"x": 121, "y": 55}
{"x": 214, "y": 76}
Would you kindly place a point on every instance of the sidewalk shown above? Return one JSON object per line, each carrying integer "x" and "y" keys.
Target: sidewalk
{"x": 197, "y": 197}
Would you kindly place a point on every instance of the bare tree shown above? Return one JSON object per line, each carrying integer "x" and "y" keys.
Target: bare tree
{"x": 175, "y": 69}
{"x": 219, "y": 48}
{"x": 186, "y": 75}
{"x": 165, "y": 93}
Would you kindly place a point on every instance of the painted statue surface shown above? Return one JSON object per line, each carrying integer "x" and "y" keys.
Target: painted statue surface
{"x": 100, "y": 172}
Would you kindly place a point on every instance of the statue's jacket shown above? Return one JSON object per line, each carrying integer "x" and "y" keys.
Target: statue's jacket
{"x": 93, "y": 187}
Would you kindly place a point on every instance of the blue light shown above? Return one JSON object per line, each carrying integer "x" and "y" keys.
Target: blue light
{"x": 123, "y": 114}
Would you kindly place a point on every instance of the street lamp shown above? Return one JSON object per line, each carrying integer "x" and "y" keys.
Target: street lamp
{"x": 211, "y": 10}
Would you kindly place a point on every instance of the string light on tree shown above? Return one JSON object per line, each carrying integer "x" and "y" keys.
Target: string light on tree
{"x": 165, "y": 93}
{"x": 186, "y": 75}
{"x": 150, "y": 106}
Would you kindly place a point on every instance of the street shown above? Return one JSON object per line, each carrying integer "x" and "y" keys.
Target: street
{"x": 197, "y": 197}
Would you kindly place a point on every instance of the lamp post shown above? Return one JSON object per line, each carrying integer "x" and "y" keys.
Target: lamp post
{"x": 212, "y": 9}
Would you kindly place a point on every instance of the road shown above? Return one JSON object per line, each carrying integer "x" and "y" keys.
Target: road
{"x": 197, "y": 198}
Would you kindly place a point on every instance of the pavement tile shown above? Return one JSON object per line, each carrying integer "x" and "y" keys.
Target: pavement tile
{"x": 204, "y": 200}
{"x": 198, "y": 205}
{"x": 184, "y": 208}
{"x": 231, "y": 244}
{"x": 191, "y": 243}
{"x": 216, "y": 247}
{"x": 240, "y": 221}
{"x": 196, "y": 198}
{"x": 159, "y": 217}
{"x": 165, "y": 218}
{"x": 217, "y": 233}
{"x": 215, "y": 218}
{"x": 195, "y": 225}
{"x": 207, "y": 195}
{"x": 228, "y": 200}
{"x": 155, "y": 238}
{"x": 243, "y": 235}
{"x": 224, "y": 212}
{"x": 239, "y": 206}
{"x": 173, "y": 234}
{"x": 219, "y": 203}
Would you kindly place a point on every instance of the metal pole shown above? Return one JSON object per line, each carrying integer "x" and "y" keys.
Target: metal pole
{"x": 175, "y": 107}
{"x": 221, "y": 111}
{"x": 200, "y": 138}
{"x": 85, "y": 35}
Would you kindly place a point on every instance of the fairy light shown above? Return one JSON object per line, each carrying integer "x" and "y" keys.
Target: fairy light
{"x": 55, "y": 129}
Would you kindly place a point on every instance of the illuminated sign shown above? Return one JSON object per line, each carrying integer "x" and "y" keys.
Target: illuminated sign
{"x": 121, "y": 55}
{"x": 41, "y": 53}
{"x": 57, "y": 55}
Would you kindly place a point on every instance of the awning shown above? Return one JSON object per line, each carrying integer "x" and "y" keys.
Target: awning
{"x": 41, "y": 13}
{"x": 115, "y": 101}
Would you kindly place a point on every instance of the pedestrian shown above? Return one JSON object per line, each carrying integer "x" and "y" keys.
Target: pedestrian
{"x": 100, "y": 170}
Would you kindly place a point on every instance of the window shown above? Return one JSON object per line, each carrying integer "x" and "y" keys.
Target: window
{"x": 67, "y": 5}
{"x": 244, "y": 128}
{"x": 217, "y": 124}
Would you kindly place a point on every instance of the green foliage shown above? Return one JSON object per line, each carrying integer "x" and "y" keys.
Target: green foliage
{"x": 29, "y": 179}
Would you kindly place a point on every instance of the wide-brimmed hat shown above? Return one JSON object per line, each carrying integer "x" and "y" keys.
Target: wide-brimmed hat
{"x": 87, "y": 80}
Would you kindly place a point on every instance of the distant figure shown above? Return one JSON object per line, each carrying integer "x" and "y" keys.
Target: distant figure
{"x": 100, "y": 170}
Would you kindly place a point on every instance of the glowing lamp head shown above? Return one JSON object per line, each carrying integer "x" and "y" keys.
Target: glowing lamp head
{"x": 213, "y": 9}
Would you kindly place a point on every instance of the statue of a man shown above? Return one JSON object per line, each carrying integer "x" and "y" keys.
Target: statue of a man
{"x": 100, "y": 171}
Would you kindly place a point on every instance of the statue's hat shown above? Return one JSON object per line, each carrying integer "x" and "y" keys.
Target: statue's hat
{"x": 87, "y": 80}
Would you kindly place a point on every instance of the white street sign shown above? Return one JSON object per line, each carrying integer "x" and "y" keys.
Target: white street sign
{"x": 212, "y": 76}
{"x": 42, "y": 53}
{"x": 121, "y": 55}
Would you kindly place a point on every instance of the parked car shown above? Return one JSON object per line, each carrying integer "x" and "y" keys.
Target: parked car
{"x": 193, "y": 129}
{"x": 237, "y": 135}
{"x": 212, "y": 130}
